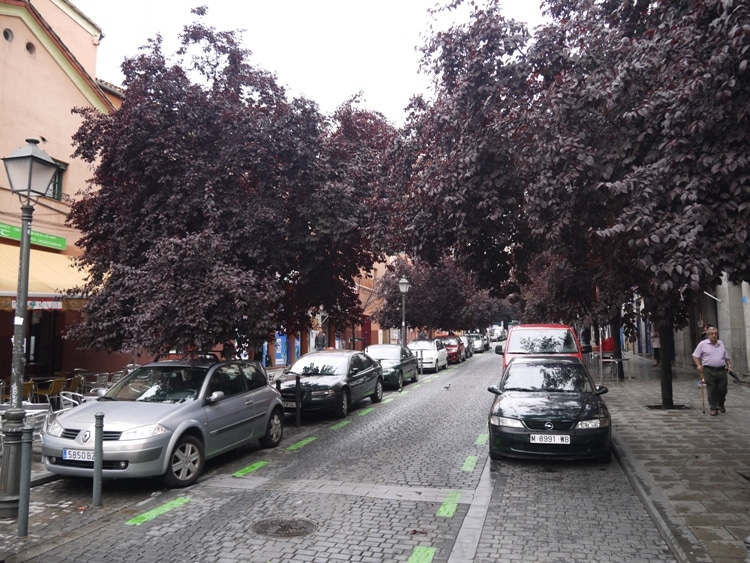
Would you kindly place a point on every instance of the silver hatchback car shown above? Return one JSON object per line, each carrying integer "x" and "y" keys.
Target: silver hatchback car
{"x": 165, "y": 419}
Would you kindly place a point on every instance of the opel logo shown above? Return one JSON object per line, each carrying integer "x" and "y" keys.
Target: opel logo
{"x": 86, "y": 436}
{"x": 547, "y": 425}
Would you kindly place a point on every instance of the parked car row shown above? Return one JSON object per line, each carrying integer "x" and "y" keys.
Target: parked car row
{"x": 166, "y": 418}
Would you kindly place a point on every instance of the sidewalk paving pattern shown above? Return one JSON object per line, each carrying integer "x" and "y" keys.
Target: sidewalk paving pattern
{"x": 691, "y": 471}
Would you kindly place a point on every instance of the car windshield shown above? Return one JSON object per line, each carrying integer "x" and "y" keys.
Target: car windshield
{"x": 384, "y": 352}
{"x": 161, "y": 384}
{"x": 321, "y": 365}
{"x": 421, "y": 345}
{"x": 541, "y": 341}
{"x": 550, "y": 377}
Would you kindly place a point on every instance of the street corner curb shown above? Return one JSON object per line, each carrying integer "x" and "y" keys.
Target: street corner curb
{"x": 682, "y": 543}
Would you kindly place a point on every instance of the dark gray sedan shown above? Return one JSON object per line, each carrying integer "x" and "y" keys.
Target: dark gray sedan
{"x": 331, "y": 381}
{"x": 398, "y": 362}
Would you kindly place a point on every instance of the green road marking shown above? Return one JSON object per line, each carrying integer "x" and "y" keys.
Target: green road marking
{"x": 448, "y": 508}
{"x": 366, "y": 411}
{"x": 416, "y": 385}
{"x": 250, "y": 469}
{"x": 340, "y": 424}
{"x": 387, "y": 401}
{"x": 302, "y": 443}
{"x": 158, "y": 511}
{"x": 470, "y": 463}
{"x": 482, "y": 439}
{"x": 422, "y": 554}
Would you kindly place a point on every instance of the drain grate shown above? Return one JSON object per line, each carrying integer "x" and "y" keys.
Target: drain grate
{"x": 284, "y": 527}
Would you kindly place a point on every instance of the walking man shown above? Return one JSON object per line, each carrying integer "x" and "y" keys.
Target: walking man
{"x": 712, "y": 360}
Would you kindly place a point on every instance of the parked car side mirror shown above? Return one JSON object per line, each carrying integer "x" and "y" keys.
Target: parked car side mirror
{"x": 494, "y": 389}
{"x": 499, "y": 349}
{"x": 601, "y": 389}
{"x": 586, "y": 349}
{"x": 215, "y": 397}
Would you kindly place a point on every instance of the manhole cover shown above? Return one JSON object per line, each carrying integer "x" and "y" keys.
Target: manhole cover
{"x": 285, "y": 527}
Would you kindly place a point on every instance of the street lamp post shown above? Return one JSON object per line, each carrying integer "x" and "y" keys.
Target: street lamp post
{"x": 30, "y": 171}
{"x": 403, "y": 287}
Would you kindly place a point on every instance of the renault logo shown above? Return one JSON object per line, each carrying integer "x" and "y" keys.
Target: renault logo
{"x": 86, "y": 436}
{"x": 547, "y": 425}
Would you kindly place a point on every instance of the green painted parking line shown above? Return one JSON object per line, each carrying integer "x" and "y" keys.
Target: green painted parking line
{"x": 422, "y": 554}
{"x": 340, "y": 424}
{"x": 449, "y": 507}
{"x": 158, "y": 511}
{"x": 366, "y": 411}
{"x": 482, "y": 439}
{"x": 302, "y": 443}
{"x": 470, "y": 463}
{"x": 249, "y": 469}
{"x": 386, "y": 401}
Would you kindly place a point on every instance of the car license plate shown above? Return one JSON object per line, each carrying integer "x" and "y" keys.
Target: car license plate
{"x": 78, "y": 455}
{"x": 550, "y": 439}
{"x": 290, "y": 404}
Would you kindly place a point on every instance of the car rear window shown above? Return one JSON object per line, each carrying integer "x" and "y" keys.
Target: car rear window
{"x": 541, "y": 341}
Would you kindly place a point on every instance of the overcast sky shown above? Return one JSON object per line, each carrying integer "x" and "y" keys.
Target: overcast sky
{"x": 325, "y": 50}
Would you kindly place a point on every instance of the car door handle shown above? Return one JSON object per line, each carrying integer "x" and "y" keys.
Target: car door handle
{"x": 249, "y": 402}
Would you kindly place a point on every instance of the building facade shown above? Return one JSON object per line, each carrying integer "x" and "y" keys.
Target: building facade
{"x": 47, "y": 67}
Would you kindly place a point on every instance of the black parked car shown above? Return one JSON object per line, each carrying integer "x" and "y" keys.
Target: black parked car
{"x": 331, "y": 381}
{"x": 398, "y": 363}
{"x": 549, "y": 407}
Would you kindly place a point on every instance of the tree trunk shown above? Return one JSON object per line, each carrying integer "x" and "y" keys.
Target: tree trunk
{"x": 666, "y": 337}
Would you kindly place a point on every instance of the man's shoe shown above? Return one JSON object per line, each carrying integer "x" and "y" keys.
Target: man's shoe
{"x": 713, "y": 412}
{"x": 722, "y": 409}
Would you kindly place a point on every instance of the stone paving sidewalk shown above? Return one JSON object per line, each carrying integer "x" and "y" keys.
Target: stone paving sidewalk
{"x": 691, "y": 470}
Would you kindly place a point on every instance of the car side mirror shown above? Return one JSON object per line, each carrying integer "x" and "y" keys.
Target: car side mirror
{"x": 494, "y": 389}
{"x": 215, "y": 397}
{"x": 601, "y": 389}
{"x": 586, "y": 349}
{"x": 499, "y": 349}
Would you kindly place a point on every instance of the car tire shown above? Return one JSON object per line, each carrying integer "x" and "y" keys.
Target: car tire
{"x": 607, "y": 458}
{"x": 415, "y": 378}
{"x": 342, "y": 407}
{"x": 400, "y": 381}
{"x": 275, "y": 430}
{"x": 377, "y": 396}
{"x": 185, "y": 463}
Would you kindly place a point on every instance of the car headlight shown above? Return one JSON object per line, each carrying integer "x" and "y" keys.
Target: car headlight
{"x": 324, "y": 393}
{"x": 593, "y": 423}
{"x": 54, "y": 428}
{"x": 388, "y": 371}
{"x": 503, "y": 421}
{"x": 143, "y": 432}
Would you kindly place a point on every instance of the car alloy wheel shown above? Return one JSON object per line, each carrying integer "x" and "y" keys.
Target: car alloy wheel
{"x": 275, "y": 430}
{"x": 185, "y": 463}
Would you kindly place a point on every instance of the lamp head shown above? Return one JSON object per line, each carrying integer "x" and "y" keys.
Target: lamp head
{"x": 403, "y": 285}
{"x": 30, "y": 170}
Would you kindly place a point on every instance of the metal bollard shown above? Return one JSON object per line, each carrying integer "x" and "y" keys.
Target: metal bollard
{"x": 98, "y": 458}
{"x": 297, "y": 402}
{"x": 24, "y": 487}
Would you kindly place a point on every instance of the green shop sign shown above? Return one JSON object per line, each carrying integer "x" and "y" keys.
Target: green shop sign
{"x": 39, "y": 239}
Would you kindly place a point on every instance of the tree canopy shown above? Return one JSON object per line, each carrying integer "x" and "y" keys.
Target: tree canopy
{"x": 219, "y": 210}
